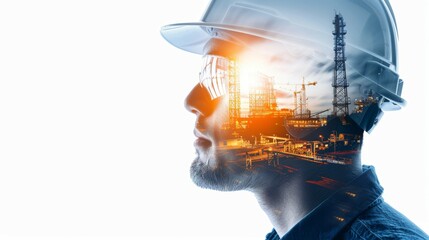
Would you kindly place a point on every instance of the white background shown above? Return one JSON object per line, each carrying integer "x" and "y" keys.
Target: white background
{"x": 95, "y": 142}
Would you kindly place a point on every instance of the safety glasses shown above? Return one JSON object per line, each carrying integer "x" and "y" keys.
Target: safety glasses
{"x": 214, "y": 75}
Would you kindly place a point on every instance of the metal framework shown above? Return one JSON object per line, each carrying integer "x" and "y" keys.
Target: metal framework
{"x": 262, "y": 99}
{"x": 234, "y": 95}
{"x": 341, "y": 99}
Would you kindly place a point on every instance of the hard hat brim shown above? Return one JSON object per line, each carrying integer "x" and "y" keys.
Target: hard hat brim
{"x": 192, "y": 37}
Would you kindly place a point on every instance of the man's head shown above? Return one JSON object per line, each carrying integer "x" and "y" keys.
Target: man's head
{"x": 289, "y": 84}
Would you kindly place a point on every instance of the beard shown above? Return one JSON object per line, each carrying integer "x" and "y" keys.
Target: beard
{"x": 224, "y": 175}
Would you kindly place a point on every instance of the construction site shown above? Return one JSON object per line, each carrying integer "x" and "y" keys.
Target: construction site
{"x": 261, "y": 130}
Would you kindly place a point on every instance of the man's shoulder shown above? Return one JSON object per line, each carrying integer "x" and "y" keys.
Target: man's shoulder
{"x": 381, "y": 221}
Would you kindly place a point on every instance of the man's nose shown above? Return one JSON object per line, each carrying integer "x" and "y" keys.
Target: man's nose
{"x": 199, "y": 101}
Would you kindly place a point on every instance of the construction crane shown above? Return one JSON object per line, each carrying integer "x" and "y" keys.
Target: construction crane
{"x": 318, "y": 113}
{"x": 300, "y": 107}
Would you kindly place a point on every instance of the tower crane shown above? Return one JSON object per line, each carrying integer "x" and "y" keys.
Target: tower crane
{"x": 300, "y": 107}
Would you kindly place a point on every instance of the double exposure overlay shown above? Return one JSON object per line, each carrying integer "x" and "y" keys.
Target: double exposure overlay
{"x": 286, "y": 91}
{"x": 285, "y": 88}
{"x": 304, "y": 103}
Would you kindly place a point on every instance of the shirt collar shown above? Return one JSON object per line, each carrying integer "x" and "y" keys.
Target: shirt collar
{"x": 336, "y": 212}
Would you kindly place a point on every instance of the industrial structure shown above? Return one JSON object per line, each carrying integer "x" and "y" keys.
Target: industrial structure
{"x": 300, "y": 99}
{"x": 234, "y": 95}
{"x": 266, "y": 131}
{"x": 341, "y": 99}
{"x": 262, "y": 98}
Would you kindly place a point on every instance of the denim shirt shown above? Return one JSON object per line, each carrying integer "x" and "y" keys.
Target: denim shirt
{"x": 356, "y": 211}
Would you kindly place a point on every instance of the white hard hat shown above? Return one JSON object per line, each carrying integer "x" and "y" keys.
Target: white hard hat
{"x": 371, "y": 34}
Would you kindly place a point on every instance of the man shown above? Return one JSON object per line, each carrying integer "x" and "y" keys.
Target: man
{"x": 286, "y": 91}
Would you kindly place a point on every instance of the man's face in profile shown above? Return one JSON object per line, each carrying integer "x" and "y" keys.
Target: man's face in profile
{"x": 260, "y": 117}
{"x": 214, "y": 167}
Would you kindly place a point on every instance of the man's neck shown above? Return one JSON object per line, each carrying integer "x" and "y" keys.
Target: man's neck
{"x": 288, "y": 202}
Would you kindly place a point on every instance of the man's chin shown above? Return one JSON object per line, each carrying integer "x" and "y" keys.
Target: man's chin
{"x": 221, "y": 177}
